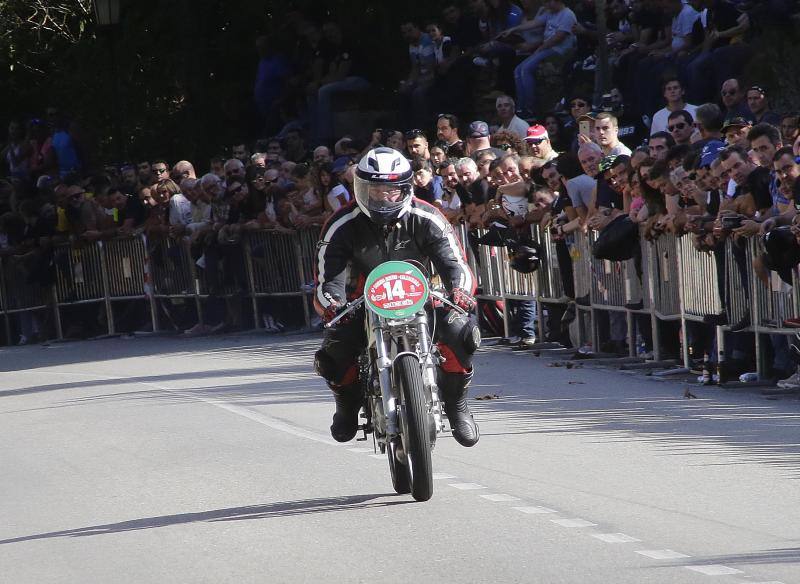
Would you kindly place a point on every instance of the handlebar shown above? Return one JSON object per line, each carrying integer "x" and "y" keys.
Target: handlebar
{"x": 352, "y": 306}
{"x": 348, "y": 308}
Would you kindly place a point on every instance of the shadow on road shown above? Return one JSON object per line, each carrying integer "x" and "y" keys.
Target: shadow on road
{"x": 773, "y": 556}
{"x": 266, "y": 511}
{"x": 254, "y": 345}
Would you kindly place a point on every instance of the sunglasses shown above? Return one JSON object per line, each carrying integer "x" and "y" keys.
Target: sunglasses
{"x": 536, "y": 141}
{"x": 678, "y": 126}
{"x": 504, "y": 146}
{"x": 159, "y": 170}
{"x": 575, "y": 104}
{"x": 415, "y": 133}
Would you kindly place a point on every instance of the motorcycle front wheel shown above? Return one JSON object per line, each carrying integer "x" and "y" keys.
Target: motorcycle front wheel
{"x": 401, "y": 479}
{"x": 414, "y": 418}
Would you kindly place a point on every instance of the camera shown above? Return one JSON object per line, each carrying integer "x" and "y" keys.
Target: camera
{"x": 732, "y": 222}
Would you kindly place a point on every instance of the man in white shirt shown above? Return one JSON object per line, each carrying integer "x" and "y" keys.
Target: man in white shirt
{"x": 674, "y": 94}
{"x": 606, "y": 134}
{"x": 509, "y": 120}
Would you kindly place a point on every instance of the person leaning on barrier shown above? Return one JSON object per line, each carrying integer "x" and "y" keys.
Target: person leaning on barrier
{"x": 106, "y": 205}
{"x": 472, "y": 189}
{"x": 157, "y": 224}
{"x": 451, "y": 203}
{"x": 308, "y": 208}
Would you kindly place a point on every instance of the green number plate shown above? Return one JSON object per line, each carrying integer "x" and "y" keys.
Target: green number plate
{"x": 396, "y": 290}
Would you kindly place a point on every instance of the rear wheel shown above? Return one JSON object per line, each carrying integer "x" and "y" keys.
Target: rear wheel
{"x": 414, "y": 419}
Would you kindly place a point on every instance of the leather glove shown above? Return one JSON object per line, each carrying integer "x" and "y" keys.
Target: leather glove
{"x": 333, "y": 309}
{"x": 463, "y": 299}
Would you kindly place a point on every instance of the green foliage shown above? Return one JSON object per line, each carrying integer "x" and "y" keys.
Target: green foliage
{"x": 185, "y": 68}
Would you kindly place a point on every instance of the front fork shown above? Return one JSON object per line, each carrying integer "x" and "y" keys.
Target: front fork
{"x": 426, "y": 352}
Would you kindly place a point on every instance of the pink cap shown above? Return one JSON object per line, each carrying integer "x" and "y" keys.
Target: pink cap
{"x": 537, "y": 132}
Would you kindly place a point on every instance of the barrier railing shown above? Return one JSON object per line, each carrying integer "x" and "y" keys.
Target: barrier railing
{"x": 104, "y": 273}
{"x": 670, "y": 280}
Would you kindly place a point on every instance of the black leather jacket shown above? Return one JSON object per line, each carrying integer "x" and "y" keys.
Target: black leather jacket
{"x": 352, "y": 240}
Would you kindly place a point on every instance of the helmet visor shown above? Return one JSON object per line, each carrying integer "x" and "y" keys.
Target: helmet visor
{"x": 387, "y": 195}
{"x": 381, "y": 198}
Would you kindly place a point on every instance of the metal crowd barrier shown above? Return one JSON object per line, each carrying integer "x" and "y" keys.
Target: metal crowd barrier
{"x": 674, "y": 281}
{"x": 671, "y": 281}
{"x": 104, "y": 273}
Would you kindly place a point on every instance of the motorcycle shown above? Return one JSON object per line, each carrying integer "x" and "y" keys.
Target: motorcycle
{"x": 397, "y": 371}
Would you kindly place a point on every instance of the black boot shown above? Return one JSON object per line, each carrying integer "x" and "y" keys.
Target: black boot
{"x": 345, "y": 418}
{"x": 453, "y": 387}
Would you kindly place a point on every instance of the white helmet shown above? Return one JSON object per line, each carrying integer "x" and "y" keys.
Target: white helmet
{"x": 382, "y": 185}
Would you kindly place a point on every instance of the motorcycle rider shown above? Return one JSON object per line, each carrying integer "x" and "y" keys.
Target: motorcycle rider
{"x": 388, "y": 223}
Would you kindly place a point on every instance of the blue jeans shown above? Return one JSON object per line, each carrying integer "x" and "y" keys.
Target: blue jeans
{"x": 323, "y": 120}
{"x": 525, "y": 80}
{"x": 524, "y": 317}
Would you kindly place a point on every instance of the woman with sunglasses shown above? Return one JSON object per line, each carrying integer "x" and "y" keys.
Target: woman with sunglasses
{"x": 508, "y": 142}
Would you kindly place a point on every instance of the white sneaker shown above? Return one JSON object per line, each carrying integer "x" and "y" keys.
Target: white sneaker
{"x": 269, "y": 324}
{"x": 528, "y": 341}
{"x": 480, "y": 62}
{"x": 792, "y": 382}
{"x": 197, "y": 330}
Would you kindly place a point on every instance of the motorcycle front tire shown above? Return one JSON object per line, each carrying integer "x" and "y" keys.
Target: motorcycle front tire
{"x": 401, "y": 479}
{"x": 415, "y": 426}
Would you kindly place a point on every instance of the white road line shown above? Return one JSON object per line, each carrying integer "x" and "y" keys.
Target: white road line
{"x": 378, "y": 456}
{"x": 614, "y": 537}
{"x": 573, "y": 522}
{"x": 500, "y": 498}
{"x": 662, "y": 554}
{"x": 714, "y": 570}
{"x": 466, "y": 486}
{"x": 438, "y": 476}
{"x": 361, "y": 450}
{"x": 534, "y": 510}
{"x": 263, "y": 419}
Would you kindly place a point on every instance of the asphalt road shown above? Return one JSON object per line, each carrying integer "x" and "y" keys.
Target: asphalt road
{"x": 208, "y": 460}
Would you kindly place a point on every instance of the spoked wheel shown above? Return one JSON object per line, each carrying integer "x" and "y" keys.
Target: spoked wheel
{"x": 414, "y": 421}
{"x": 401, "y": 479}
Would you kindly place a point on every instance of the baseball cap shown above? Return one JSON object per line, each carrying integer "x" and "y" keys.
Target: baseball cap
{"x": 536, "y": 132}
{"x": 710, "y": 152}
{"x": 478, "y": 129}
{"x": 340, "y": 164}
{"x": 587, "y": 116}
{"x": 271, "y": 175}
{"x": 606, "y": 162}
{"x": 735, "y": 122}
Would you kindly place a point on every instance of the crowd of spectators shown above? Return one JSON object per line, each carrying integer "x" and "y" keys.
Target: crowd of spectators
{"x": 642, "y": 151}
